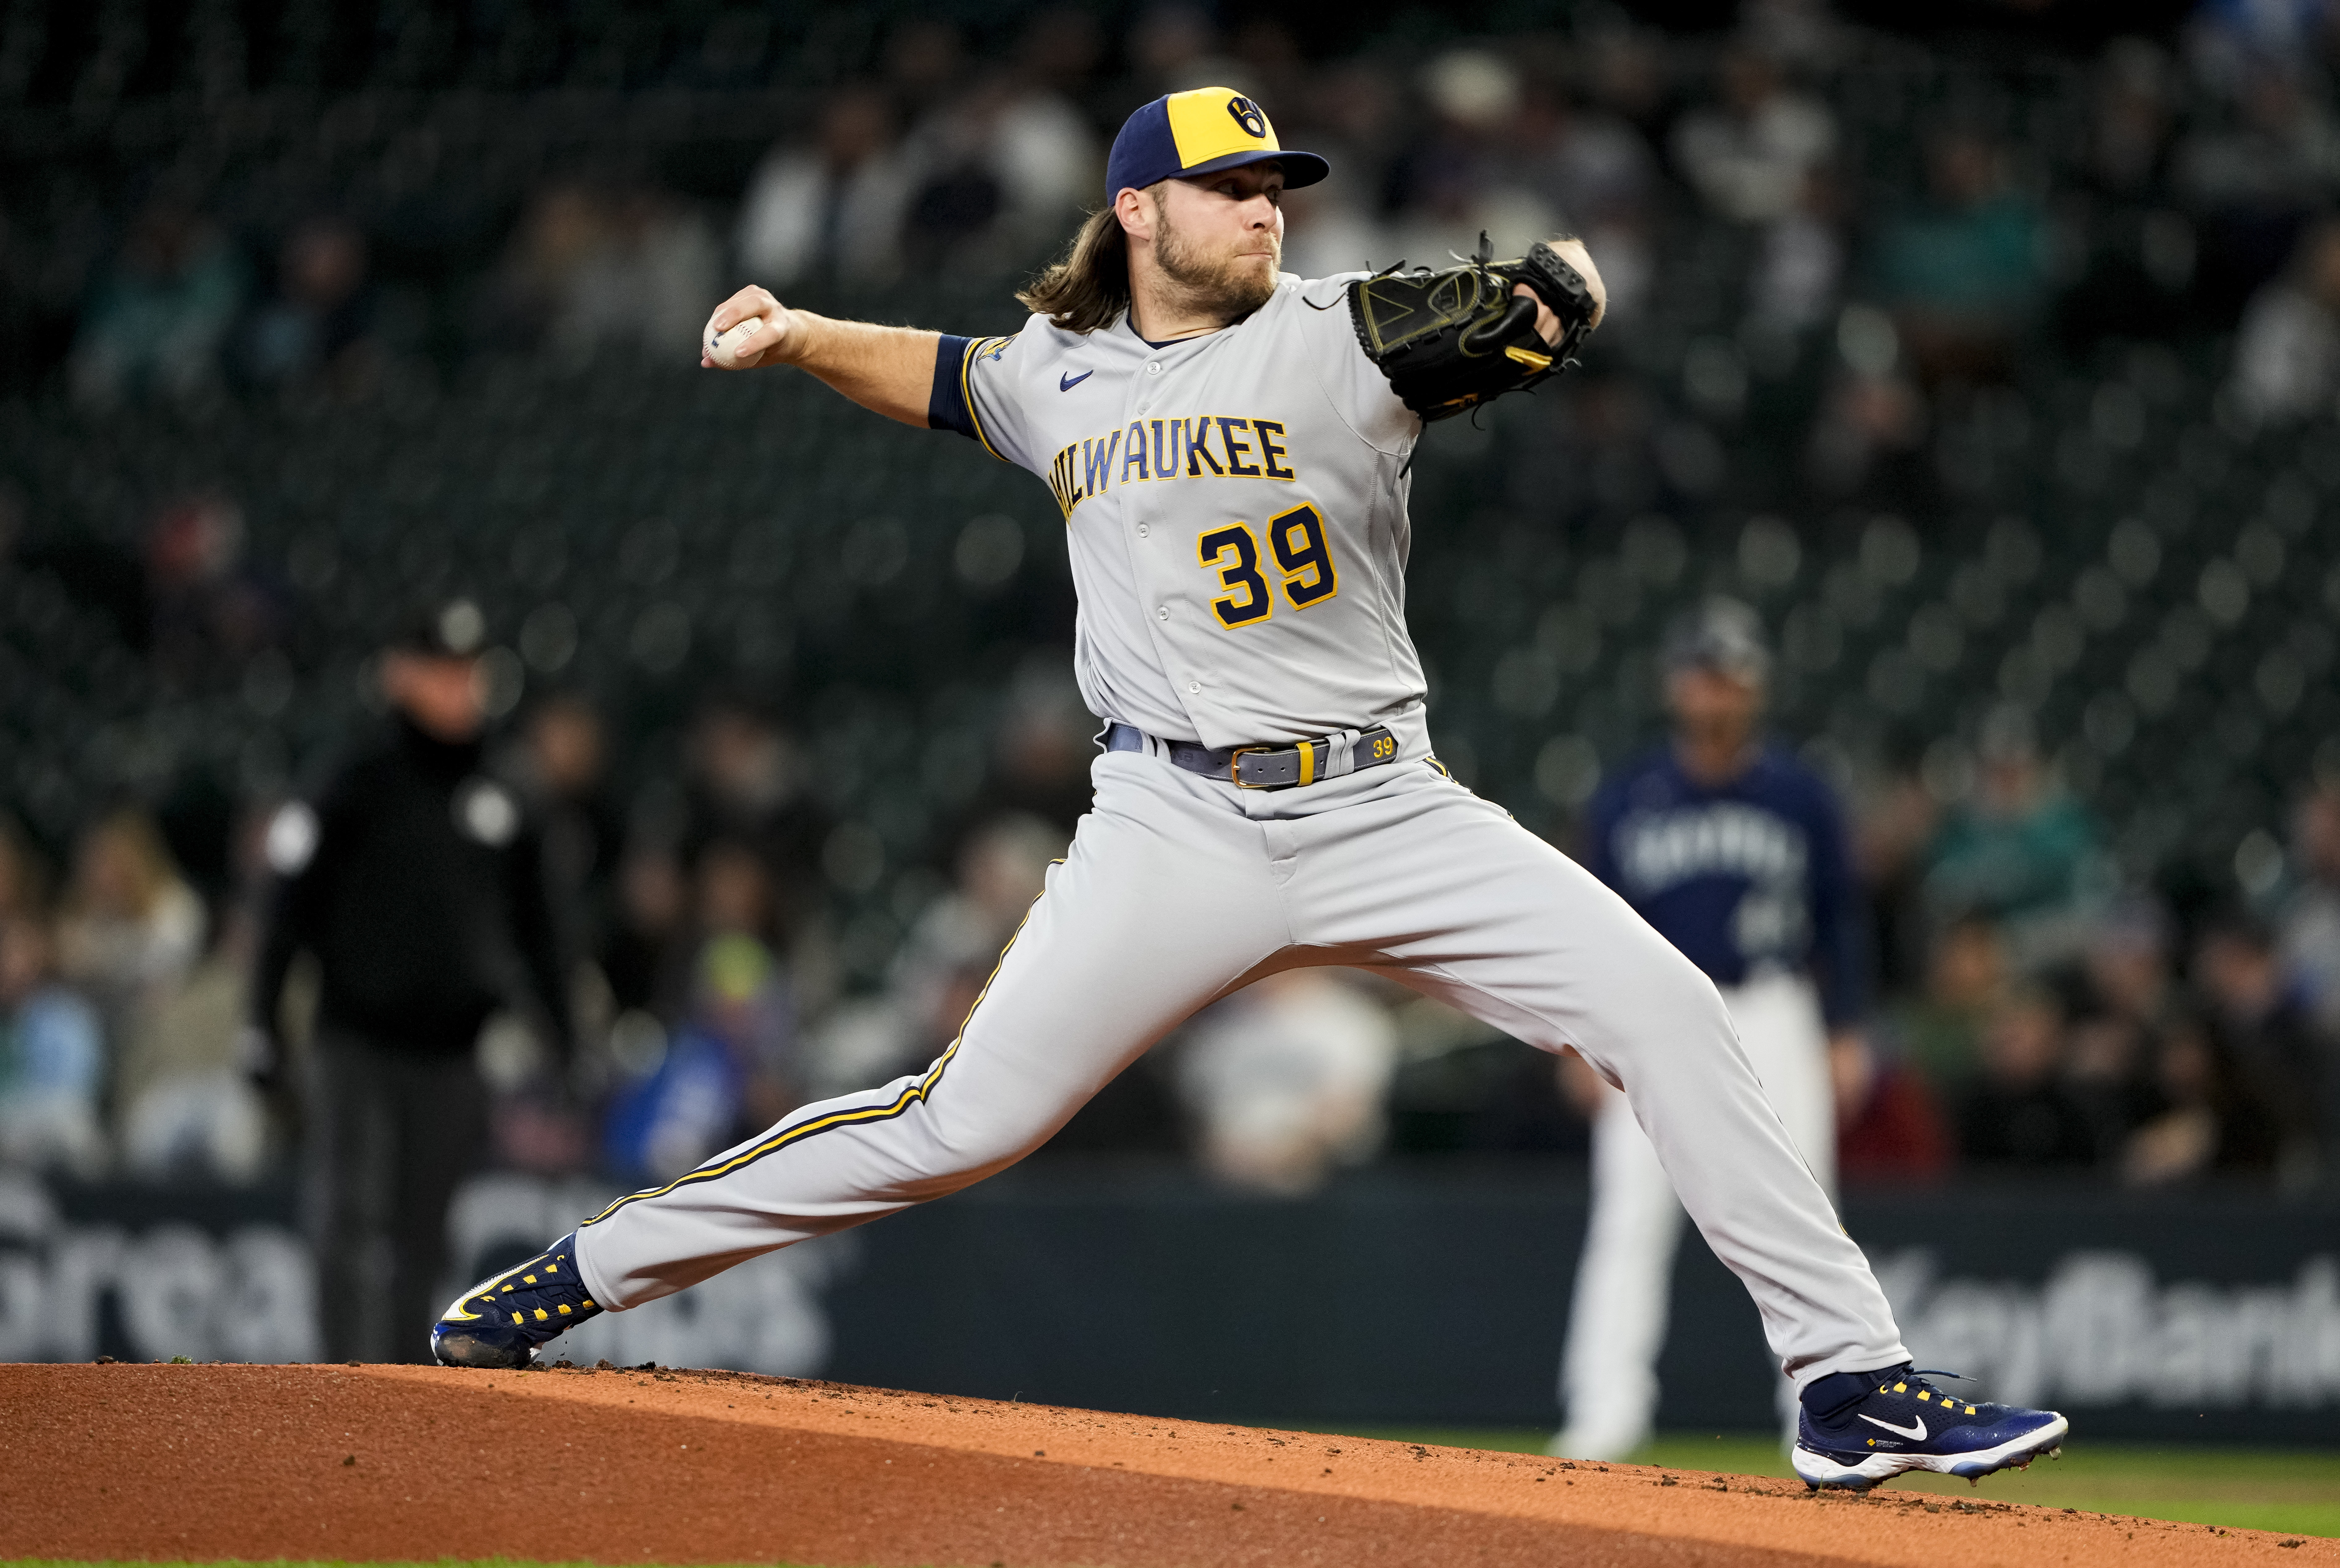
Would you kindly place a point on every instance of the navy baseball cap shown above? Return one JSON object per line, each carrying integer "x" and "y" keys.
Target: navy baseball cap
{"x": 1200, "y": 132}
{"x": 1720, "y": 634}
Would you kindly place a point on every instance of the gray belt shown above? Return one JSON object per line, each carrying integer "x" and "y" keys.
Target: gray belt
{"x": 1271, "y": 766}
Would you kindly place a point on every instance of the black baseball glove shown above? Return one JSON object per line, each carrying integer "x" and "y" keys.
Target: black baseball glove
{"x": 1451, "y": 340}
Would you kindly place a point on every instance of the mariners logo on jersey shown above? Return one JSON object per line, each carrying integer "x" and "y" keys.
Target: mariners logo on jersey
{"x": 1747, "y": 876}
{"x": 1755, "y": 854}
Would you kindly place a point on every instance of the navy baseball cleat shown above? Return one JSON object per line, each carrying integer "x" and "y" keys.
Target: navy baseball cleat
{"x": 501, "y": 1320}
{"x": 1857, "y": 1429}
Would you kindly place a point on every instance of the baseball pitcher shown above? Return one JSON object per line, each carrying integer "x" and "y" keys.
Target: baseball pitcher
{"x": 1229, "y": 449}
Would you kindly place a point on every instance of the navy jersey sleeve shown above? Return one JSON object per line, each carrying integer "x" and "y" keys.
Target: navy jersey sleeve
{"x": 975, "y": 393}
{"x": 1839, "y": 934}
{"x": 947, "y": 403}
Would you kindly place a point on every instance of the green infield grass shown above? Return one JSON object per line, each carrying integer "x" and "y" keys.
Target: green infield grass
{"x": 2295, "y": 1490}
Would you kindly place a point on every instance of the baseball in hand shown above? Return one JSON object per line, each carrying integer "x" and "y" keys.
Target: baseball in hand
{"x": 723, "y": 346}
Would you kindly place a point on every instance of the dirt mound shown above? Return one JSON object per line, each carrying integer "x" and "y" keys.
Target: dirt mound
{"x": 379, "y": 1463}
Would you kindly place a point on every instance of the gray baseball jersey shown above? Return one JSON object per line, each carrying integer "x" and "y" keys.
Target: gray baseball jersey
{"x": 1235, "y": 506}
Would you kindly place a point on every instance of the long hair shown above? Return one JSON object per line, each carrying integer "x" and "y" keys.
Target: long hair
{"x": 1086, "y": 289}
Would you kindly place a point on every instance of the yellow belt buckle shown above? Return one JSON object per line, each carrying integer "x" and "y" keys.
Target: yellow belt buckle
{"x": 1234, "y": 765}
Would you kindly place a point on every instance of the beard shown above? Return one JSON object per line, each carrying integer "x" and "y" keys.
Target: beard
{"x": 1226, "y": 286}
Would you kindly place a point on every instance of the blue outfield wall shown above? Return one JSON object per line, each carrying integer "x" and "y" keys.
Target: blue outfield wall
{"x": 1397, "y": 1296}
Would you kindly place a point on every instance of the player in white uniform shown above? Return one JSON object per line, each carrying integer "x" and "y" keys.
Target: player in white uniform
{"x": 1230, "y": 457}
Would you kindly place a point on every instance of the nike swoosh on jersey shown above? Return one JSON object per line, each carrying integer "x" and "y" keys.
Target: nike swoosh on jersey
{"x": 1915, "y": 1432}
{"x": 1067, "y": 382}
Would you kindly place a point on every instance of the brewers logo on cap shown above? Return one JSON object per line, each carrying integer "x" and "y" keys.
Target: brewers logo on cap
{"x": 1201, "y": 132}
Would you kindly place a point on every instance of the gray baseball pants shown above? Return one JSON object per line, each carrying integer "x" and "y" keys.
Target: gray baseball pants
{"x": 1179, "y": 890}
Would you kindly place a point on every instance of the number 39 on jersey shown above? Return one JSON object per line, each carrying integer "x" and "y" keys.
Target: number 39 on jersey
{"x": 1301, "y": 560}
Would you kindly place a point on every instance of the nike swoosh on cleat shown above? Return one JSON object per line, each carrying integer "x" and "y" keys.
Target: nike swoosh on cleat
{"x": 1915, "y": 1431}
{"x": 456, "y": 1313}
{"x": 1067, "y": 382}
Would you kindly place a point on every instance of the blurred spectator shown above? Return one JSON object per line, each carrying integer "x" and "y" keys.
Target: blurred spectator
{"x": 1801, "y": 32}
{"x": 649, "y": 284}
{"x": 2287, "y": 350}
{"x": 729, "y": 1067}
{"x": 2021, "y": 852}
{"x": 1173, "y": 47}
{"x": 557, "y": 766}
{"x": 558, "y": 236}
{"x": 23, "y": 881}
{"x": 2310, "y": 919}
{"x": 1351, "y": 110}
{"x": 1961, "y": 272}
{"x": 418, "y": 885}
{"x": 1891, "y": 831}
{"x": 1596, "y": 171}
{"x": 1462, "y": 180}
{"x": 1941, "y": 1030}
{"x": 157, "y": 318}
{"x": 320, "y": 325}
{"x": 1329, "y": 230}
{"x": 1873, "y": 420}
{"x": 999, "y": 168}
{"x": 2253, "y": 177}
{"x": 745, "y": 783}
{"x": 560, "y": 766}
{"x": 1889, "y": 1126}
{"x": 132, "y": 925}
{"x": 942, "y": 964}
{"x": 1750, "y": 156}
{"x": 2268, "y": 1041}
{"x": 1630, "y": 75}
{"x": 1001, "y": 870}
{"x": 1059, "y": 52}
{"x": 2128, "y": 141}
{"x": 186, "y": 1103}
{"x": 688, "y": 1101}
{"x": 1042, "y": 750}
{"x": 52, "y": 1057}
{"x": 1286, "y": 1080}
{"x": 1595, "y": 167}
{"x": 831, "y": 211}
{"x": 742, "y": 995}
{"x": 2126, "y": 1002}
{"x": 926, "y": 60}
{"x": 630, "y": 266}
{"x": 646, "y": 956}
{"x": 1798, "y": 270}
{"x": 2206, "y": 1124}
{"x": 2016, "y": 1115}
{"x": 209, "y": 609}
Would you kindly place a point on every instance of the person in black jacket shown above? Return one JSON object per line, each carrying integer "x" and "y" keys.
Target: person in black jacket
{"x": 418, "y": 884}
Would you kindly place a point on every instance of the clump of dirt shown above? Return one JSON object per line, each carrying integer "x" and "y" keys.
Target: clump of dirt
{"x": 665, "y": 1465}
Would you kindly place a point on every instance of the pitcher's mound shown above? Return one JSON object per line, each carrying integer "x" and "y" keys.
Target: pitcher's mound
{"x": 616, "y": 1465}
